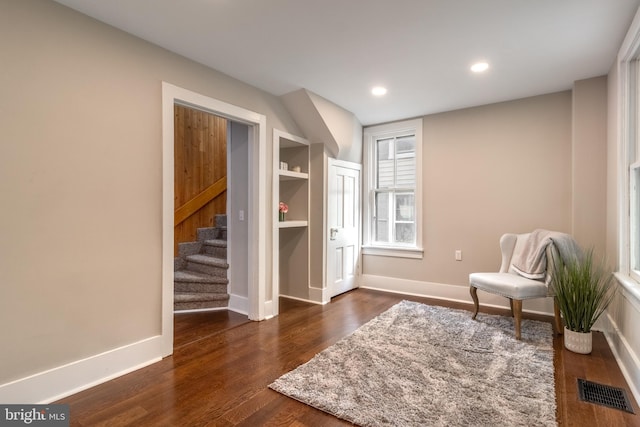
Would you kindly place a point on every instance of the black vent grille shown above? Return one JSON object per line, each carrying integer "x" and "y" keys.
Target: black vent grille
{"x": 600, "y": 394}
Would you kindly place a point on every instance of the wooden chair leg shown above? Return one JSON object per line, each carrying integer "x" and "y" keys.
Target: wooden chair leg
{"x": 474, "y": 295}
{"x": 517, "y": 315}
{"x": 558, "y": 318}
{"x": 511, "y": 306}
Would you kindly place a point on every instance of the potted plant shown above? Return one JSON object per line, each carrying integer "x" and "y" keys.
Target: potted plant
{"x": 583, "y": 291}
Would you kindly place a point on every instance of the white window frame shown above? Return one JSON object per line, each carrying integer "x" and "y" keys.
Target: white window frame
{"x": 371, "y": 135}
{"x": 629, "y": 155}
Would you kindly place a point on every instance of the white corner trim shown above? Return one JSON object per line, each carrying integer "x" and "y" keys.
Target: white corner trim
{"x": 631, "y": 42}
{"x": 319, "y": 295}
{"x": 57, "y": 383}
{"x": 447, "y": 292}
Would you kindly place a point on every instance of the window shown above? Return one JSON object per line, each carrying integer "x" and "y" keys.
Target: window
{"x": 633, "y": 166}
{"x": 393, "y": 179}
{"x": 629, "y": 166}
{"x": 634, "y": 223}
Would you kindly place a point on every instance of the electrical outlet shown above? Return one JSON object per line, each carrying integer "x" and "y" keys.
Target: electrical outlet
{"x": 458, "y": 255}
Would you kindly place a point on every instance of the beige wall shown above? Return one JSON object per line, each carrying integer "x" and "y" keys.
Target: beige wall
{"x": 81, "y": 172}
{"x": 318, "y": 156}
{"x": 324, "y": 122}
{"x": 344, "y": 127}
{"x": 80, "y": 178}
{"x": 589, "y": 163}
{"x": 488, "y": 170}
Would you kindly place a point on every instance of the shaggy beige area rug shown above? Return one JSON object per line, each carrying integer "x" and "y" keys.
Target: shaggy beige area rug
{"x": 421, "y": 365}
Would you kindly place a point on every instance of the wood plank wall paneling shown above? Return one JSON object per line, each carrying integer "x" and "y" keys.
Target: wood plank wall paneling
{"x": 200, "y": 156}
{"x": 198, "y": 202}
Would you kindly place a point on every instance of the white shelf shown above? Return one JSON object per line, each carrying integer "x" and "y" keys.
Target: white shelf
{"x": 292, "y": 224}
{"x": 287, "y": 175}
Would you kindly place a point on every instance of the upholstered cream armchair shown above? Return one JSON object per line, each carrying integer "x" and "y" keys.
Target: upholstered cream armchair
{"x": 508, "y": 283}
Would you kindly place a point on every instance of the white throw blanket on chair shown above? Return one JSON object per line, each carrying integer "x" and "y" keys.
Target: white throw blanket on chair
{"x": 531, "y": 262}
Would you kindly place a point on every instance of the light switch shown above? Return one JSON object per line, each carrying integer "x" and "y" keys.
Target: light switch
{"x": 458, "y": 255}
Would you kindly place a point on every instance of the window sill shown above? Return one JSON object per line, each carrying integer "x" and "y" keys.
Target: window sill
{"x": 630, "y": 286}
{"x": 393, "y": 251}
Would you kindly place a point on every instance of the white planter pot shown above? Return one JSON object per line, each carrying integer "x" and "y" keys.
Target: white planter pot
{"x": 578, "y": 342}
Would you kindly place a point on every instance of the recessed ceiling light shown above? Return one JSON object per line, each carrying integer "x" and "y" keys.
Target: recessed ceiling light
{"x": 479, "y": 67}
{"x": 379, "y": 91}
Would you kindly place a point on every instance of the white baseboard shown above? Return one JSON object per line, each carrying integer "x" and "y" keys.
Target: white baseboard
{"x": 624, "y": 354}
{"x": 239, "y": 304}
{"x": 301, "y": 299}
{"x": 57, "y": 383}
{"x": 446, "y": 292}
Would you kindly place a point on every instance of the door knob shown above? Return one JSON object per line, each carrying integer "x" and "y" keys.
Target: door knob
{"x": 333, "y": 233}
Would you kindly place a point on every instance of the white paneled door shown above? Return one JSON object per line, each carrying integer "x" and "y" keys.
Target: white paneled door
{"x": 343, "y": 248}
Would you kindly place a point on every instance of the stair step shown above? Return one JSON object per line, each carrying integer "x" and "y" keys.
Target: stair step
{"x": 179, "y": 264}
{"x": 197, "y": 277}
{"x": 189, "y": 301}
{"x": 202, "y": 288}
{"x": 211, "y": 233}
{"x": 189, "y": 248}
{"x": 203, "y": 263}
{"x": 199, "y": 305}
{"x": 221, "y": 220}
{"x": 185, "y": 281}
{"x": 208, "y": 260}
{"x": 200, "y": 271}
{"x": 199, "y": 297}
{"x": 215, "y": 247}
{"x": 219, "y": 243}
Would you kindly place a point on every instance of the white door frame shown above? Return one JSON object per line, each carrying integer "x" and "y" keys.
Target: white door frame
{"x": 257, "y": 199}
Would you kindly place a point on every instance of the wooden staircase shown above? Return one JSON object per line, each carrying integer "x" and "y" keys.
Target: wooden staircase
{"x": 200, "y": 270}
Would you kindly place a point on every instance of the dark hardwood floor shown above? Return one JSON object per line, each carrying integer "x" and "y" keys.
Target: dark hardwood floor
{"x": 223, "y": 363}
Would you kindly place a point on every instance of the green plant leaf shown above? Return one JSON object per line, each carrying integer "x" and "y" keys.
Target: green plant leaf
{"x": 583, "y": 290}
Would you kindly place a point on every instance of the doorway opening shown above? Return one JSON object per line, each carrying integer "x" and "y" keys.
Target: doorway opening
{"x": 246, "y": 155}
{"x": 200, "y": 171}
{"x": 201, "y": 268}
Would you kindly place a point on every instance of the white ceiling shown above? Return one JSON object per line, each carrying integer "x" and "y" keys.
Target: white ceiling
{"x": 421, "y": 50}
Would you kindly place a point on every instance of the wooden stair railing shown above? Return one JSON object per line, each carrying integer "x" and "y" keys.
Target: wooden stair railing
{"x": 195, "y": 204}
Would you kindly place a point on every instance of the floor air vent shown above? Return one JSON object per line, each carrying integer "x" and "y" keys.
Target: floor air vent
{"x": 600, "y": 394}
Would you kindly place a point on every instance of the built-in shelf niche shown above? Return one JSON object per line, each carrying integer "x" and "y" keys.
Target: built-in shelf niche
{"x": 291, "y": 236}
